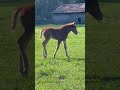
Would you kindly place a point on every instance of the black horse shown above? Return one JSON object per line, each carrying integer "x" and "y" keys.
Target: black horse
{"x": 92, "y": 7}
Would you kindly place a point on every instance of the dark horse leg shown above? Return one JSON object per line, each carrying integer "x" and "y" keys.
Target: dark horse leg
{"x": 65, "y": 47}
{"x": 59, "y": 41}
{"x": 22, "y": 43}
{"x": 44, "y": 47}
{"x": 28, "y": 24}
{"x": 27, "y": 19}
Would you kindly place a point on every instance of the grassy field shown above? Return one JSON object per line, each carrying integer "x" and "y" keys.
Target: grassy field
{"x": 60, "y": 73}
{"x": 103, "y": 49}
{"x": 10, "y": 78}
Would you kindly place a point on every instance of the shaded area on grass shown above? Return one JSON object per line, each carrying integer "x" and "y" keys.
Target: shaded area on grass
{"x": 10, "y": 78}
{"x": 102, "y": 49}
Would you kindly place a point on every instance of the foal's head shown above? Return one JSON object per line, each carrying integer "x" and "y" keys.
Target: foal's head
{"x": 92, "y": 7}
{"x": 73, "y": 28}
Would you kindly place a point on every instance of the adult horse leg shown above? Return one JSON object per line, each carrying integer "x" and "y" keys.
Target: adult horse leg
{"x": 65, "y": 47}
{"x": 59, "y": 41}
{"x": 44, "y": 47}
{"x": 22, "y": 43}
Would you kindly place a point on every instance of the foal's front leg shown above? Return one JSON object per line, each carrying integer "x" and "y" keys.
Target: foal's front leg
{"x": 23, "y": 65}
{"x": 65, "y": 47}
{"x": 44, "y": 47}
{"x": 22, "y": 43}
{"x": 59, "y": 41}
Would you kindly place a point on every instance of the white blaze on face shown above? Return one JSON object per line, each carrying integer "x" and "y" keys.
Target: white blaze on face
{"x": 73, "y": 23}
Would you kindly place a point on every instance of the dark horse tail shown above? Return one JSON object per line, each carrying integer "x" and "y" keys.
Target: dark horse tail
{"x": 41, "y": 33}
{"x": 14, "y": 18}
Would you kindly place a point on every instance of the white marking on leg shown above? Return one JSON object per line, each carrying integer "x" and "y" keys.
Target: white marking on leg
{"x": 44, "y": 47}
{"x": 65, "y": 47}
{"x": 23, "y": 63}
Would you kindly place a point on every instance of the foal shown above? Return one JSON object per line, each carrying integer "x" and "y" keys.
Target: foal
{"x": 27, "y": 19}
{"x": 59, "y": 34}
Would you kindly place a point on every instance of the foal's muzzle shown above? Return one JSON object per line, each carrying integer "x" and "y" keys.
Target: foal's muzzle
{"x": 76, "y": 33}
{"x": 99, "y": 18}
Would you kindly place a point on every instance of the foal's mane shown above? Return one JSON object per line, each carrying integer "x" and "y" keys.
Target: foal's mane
{"x": 60, "y": 28}
{"x": 69, "y": 24}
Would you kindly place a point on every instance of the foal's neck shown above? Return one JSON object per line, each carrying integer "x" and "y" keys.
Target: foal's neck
{"x": 67, "y": 29}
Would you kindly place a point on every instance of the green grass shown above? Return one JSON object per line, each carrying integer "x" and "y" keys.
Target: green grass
{"x": 60, "y": 73}
{"x": 10, "y": 78}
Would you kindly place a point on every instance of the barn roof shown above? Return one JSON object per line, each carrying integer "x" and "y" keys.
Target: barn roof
{"x": 70, "y": 8}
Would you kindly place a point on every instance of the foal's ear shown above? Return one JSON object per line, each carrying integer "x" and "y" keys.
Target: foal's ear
{"x": 74, "y": 23}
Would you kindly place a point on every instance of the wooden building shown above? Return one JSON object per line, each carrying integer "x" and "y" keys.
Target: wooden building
{"x": 68, "y": 13}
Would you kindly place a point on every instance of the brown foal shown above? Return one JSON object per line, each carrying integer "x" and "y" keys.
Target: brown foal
{"x": 27, "y": 19}
{"x": 59, "y": 34}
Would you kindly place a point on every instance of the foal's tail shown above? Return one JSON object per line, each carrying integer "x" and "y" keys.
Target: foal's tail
{"x": 41, "y": 33}
{"x": 14, "y": 18}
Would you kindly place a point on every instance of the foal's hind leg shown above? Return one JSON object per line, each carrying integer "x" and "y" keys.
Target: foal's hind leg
{"x": 22, "y": 43}
{"x": 44, "y": 47}
{"x": 65, "y": 47}
{"x": 59, "y": 41}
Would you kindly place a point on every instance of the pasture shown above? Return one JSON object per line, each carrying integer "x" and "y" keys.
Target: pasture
{"x": 60, "y": 73}
{"x": 102, "y": 49}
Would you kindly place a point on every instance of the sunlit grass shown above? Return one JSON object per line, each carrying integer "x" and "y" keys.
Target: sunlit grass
{"x": 60, "y": 73}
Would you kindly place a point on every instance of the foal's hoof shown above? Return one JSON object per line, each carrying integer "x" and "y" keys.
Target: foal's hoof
{"x": 24, "y": 72}
{"x": 45, "y": 56}
{"x": 54, "y": 57}
{"x": 24, "y": 75}
{"x": 68, "y": 57}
